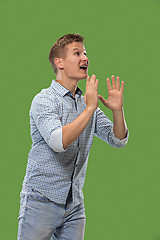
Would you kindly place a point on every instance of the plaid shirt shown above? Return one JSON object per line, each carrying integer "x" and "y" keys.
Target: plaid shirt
{"x": 55, "y": 173}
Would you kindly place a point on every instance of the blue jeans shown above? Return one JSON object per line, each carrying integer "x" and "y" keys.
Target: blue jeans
{"x": 42, "y": 219}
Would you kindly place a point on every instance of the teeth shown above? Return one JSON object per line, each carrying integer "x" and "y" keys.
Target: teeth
{"x": 84, "y": 66}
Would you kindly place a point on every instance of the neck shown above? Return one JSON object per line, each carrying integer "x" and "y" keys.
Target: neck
{"x": 70, "y": 84}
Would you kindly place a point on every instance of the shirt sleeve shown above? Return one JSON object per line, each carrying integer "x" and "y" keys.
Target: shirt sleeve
{"x": 45, "y": 112}
{"x": 104, "y": 130}
{"x": 55, "y": 141}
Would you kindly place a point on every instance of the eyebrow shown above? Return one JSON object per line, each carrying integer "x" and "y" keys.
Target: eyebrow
{"x": 78, "y": 49}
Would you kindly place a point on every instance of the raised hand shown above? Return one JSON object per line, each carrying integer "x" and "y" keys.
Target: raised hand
{"x": 91, "y": 95}
{"x": 115, "y": 95}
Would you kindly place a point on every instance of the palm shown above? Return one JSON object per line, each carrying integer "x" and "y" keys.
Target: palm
{"x": 115, "y": 95}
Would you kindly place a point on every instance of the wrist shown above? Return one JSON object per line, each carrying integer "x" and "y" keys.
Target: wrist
{"x": 90, "y": 109}
{"x": 117, "y": 110}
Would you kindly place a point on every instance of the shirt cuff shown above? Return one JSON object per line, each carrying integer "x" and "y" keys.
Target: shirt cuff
{"x": 55, "y": 141}
{"x": 121, "y": 142}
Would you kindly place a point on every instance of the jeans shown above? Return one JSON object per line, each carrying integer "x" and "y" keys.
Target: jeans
{"x": 42, "y": 219}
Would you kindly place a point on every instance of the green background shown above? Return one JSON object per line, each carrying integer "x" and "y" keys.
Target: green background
{"x": 122, "y": 196}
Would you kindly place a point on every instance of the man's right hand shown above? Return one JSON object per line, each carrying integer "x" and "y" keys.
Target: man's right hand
{"x": 91, "y": 95}
{"x": 73, "y": 130}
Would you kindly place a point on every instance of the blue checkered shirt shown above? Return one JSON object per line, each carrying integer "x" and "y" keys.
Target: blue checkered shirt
{"x": 52, "y": 173}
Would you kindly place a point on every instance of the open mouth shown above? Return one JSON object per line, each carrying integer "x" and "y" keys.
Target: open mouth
{"x": 84, "y": 67}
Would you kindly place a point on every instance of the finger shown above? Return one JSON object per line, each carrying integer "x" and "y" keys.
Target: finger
{"x": 122, "y": 87}
{"x": 118, "y": 83}
{"x": 101, "y": 98}
{"x": 88, "y": 80}
{"x": 93, "y": 79}
{"x": 113, "y": 82}
{"x": 109, "y": 85}
{"x": 96, "y": 84}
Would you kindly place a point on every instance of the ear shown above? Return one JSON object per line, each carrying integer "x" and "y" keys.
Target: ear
{"x": 59, "y": 63}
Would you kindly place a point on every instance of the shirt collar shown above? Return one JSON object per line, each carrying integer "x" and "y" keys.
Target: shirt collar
{"x": 64, "y": 91}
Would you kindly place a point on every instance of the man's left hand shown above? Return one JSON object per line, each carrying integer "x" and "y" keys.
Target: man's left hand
{"x": 115, "y": 95}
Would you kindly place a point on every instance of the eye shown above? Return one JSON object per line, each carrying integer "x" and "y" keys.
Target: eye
{"x": 77, "y": 53}
{"x": 85, "y": 53}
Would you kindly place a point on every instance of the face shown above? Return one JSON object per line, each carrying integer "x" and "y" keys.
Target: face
{"x": 75, "y": 64}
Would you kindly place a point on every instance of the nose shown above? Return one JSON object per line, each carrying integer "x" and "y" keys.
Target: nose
{"x": 85, "y": 58}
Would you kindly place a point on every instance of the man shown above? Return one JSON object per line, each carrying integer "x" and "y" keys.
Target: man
{"x": 63, "y": 123}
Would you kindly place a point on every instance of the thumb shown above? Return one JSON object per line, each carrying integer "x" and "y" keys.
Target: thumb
{"x": 101, "y": 98}
{"x": 88, "y": 80}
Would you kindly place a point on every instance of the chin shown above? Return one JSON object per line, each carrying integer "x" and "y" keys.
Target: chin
{"x": 84, "y": 76}
{"x": 80, "y": 76}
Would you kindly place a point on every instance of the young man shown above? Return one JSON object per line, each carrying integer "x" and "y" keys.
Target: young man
{"x": 63, "y": 123}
